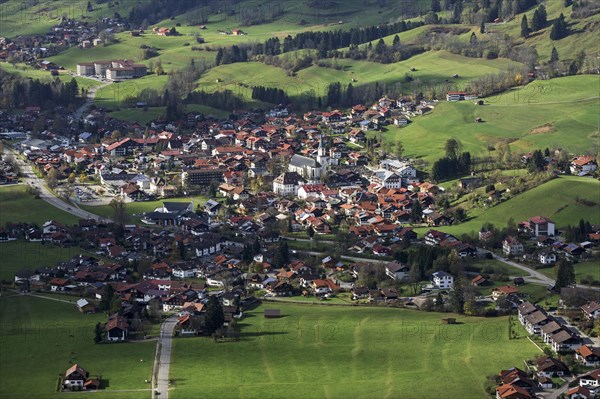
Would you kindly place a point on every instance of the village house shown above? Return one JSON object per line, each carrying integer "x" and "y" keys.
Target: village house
{"x": 588, "y": 356}
{"x": 397, "y": 271}
{"x": 583, "y": 165}
{"x": 116, "y": 329}
{"x": 538, "y": 226}
{"x": 442, "y": 280}
{"x": 591, "y": 310}
{"x": 503, "y": 292}
{"x": 76, "y": 378}
{"x": 591, "y": 381}
{"x": 511, "y": 246}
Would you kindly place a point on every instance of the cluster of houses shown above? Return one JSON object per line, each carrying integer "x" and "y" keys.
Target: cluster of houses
{"x": 548, "y": 246}
{"x": 32, "y": 49}
{"x": 518, "y": 384}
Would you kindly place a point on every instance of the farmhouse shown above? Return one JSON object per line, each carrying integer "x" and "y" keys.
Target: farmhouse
{"x": 460, "y": 96}
{"x": 77, "y": 379}
{"x": 583, "y": 165}
{"x": 503, "y": 292}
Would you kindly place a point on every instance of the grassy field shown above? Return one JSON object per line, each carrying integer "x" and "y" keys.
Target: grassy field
{"x": 318, "y": 351}
{"x": 30, "y": 72}
{"x": 582, "y": 270}
{"x": 583, "y": 32}
{"x": 143, "y": 117}
{"x": 16, "y": 255}
{"x": 42, "y": 338}
{"x": 538, "y": 115}
{"x": 556, "y": 199}
{"x": 136, "y": 208}
{"x": 28, "y": 18}
{"x": 498, "y": 266}
{"x": 16, "y": 205}
{"x": 432, "y": 68}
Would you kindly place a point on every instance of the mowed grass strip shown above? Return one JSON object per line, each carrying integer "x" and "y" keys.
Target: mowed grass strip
{"x": 41, "y": 338}
{"x": 345, "y": 352}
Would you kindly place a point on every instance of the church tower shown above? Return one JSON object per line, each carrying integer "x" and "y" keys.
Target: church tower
{"x": 322, "y": 156}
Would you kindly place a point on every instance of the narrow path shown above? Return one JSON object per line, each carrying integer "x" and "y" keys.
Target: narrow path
{"x": 163, "y": 358}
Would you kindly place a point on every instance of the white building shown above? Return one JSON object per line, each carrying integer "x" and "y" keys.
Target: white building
{"x": 308, "y": 168}
{"x": 386, "y": 178}
{"x": 442, "y": 280}
{"x": 547, "y": 258}
{"x": 287, "y": 184}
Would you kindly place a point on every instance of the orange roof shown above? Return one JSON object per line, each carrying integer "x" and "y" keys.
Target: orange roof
{"x": 583, "y": 160}
{"x": 507, "y": 289}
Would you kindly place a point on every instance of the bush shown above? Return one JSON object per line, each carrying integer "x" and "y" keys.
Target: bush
{"x": 491, "y": 54}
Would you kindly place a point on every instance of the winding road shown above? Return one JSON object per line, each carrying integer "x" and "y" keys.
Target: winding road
{"x": 31, "y": 179}
{"x": 162, "y": 360}
{"x": 89, "y": 99}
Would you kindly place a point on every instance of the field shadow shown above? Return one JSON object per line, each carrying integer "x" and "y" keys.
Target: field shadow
{"x": 252, "y": 334}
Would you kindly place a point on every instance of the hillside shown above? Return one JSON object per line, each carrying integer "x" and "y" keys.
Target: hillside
{"x": 539, "y": 115}
{"x": 556, "y": 199}
{"x": 432, "y": 68}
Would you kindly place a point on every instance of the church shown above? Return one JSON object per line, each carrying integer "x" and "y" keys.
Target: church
{"x": 309, "y": 168}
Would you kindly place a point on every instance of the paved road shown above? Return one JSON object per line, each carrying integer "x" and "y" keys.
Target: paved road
{"x": 535, "y": 276}
{"x": 31, "y": 179}
{"x": 88, "y": 101}
{"x": 164, "y": 358}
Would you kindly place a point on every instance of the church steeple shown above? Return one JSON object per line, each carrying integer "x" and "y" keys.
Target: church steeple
{"x": 321, "y": 151}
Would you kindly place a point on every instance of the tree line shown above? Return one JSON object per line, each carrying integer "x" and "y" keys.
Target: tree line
{"x": 18, "y": 92}
{"x": 455, "y": 163}
{"x": 270, "y": 94}
{"x": 321, "y": 41}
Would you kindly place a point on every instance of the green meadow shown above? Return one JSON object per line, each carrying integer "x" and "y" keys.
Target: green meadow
{"x": 538, "y": 115}
{"x": 137, "y": 208}
{"x": 41, "y": 338}
{"x": 342, "y": 352}
{"x": 16, "y": 205}
{"x": 33, "y": 73}
{"x": 432, "y": 68}
{"x": 20, "y": 254}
